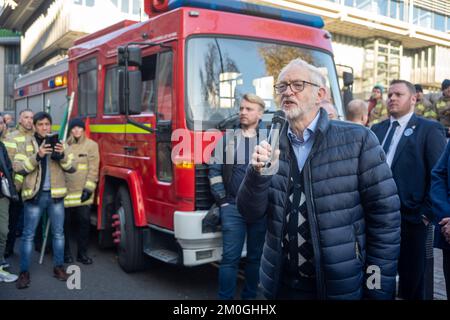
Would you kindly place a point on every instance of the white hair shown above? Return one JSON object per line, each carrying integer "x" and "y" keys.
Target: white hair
{"x": 315, "y": 75}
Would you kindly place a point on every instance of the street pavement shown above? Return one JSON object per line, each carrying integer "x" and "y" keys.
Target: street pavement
{"x": 106, "y": 280}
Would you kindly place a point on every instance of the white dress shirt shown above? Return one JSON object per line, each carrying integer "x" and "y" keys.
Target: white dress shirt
{"x": 403, "y": 122}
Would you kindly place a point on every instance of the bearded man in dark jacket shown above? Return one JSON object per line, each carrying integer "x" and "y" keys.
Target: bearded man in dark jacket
{"x": 333, "y": 228}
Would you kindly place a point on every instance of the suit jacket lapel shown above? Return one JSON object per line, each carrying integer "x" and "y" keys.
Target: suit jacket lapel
{"x": 401, "y": 144}
{"x": 382, "y": 131}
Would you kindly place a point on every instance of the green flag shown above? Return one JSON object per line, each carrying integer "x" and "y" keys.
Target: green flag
{"x": 64, "y": 122}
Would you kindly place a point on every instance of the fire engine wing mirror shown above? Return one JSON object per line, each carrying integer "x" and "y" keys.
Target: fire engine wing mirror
{"x": 347, "y": 78}
{"x": 132, "y": 55}
{"x": 134, "y": 94}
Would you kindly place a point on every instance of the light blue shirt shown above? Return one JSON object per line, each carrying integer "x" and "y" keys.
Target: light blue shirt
{"x": 302, "y": 147}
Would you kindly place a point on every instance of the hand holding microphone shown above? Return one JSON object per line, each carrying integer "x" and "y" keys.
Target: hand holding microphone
{"x": 266, "y": 154}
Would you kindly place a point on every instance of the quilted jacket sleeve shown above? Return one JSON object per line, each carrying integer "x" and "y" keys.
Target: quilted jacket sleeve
{"x": 252, "y": 199}
{"x": 381, "y": 204}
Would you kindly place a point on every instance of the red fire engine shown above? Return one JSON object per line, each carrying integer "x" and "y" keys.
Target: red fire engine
{"x": 149, "y": 87}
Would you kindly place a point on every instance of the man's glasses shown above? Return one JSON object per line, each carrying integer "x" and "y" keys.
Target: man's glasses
{"x": 296, "y": 86}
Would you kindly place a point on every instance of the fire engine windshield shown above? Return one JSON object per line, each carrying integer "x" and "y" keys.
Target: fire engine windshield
{"x": 221, "y": 70}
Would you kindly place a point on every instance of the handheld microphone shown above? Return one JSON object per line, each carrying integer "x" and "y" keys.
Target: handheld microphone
{"x": 278, "y": 121}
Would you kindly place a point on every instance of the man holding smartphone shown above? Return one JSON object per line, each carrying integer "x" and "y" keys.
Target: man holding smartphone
{"x": 43, "y": 189}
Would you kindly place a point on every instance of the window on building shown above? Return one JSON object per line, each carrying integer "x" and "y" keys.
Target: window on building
{"x": 125, "y": 7}
{"x": 422, "y": 17}
{"x": 364, "y": 4}
{"x": 128, "y": 6}
{"x": 439, "y": 22}
{"x": 87, "y": 3}
{"x": 12, "y": 55}
{"x": 136, "y": 7}
{"x": 396, "y": 10}
{"x": 381, "y": 7}
{"x": 87, "y": 87}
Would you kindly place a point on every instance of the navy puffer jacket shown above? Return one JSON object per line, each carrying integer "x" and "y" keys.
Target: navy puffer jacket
{"x": 353, "y": 211}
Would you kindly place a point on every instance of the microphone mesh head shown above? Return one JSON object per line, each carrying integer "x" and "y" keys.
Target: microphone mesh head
{"x": 279, "y": 116}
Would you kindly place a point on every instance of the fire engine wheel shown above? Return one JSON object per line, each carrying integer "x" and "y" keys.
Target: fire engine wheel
{"x": 130, "y": 246}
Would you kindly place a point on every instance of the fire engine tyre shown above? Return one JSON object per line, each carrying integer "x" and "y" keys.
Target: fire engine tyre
{"x": 130, "y": 248}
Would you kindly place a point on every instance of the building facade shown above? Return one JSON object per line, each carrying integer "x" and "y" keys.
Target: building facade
{"x": 49, "y": 27}
{"x": 9, "y": 67}
{"x": 379, "y": 40}
{"x": 382, "y": 40}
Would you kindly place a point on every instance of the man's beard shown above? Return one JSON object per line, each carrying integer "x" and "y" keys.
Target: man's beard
{"x": 294, "y": 114}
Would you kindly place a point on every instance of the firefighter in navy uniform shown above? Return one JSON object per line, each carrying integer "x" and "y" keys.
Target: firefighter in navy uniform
{"x": 81, "y": 188}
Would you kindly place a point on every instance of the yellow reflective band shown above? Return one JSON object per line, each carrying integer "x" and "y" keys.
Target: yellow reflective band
{"x": 90, "y": 185}
{"x": 27, "y": 192}
{"x": 70, "y": 156}
{"x": 82, "y": 166}
{"x": 18, "y": 178}
{"x": 20, "y": 139}
{"x": 58, "y": 191}
{"x": 56, "y": 127}
{"x": 73, "y": 196}
{"x": 10, "y": 145}
{"x": 20, "y": 157}
{"x": 118, "y": 128}
{"x": 28, "y": 165}
{"x": 71, "y": 202}
{"x": 65, "y": 166}
{"x": 30, "y": 148}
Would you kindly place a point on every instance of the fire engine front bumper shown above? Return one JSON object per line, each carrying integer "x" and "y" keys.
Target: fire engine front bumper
{"x": 198, "y": 247}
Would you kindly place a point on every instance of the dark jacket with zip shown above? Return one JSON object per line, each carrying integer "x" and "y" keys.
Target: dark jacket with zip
{"x": 353, "y": 212}
{"x": 6, "y": 169}
{"x": 222, "y": 162}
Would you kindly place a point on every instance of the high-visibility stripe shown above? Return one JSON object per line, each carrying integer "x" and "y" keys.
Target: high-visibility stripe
{"x": 18, "y": 177}
{"x": 20, "y": 139}
{"x": 118, "y": 128}
{"x": 90, "y": 185}
{"x": 441, "y": 104}
{"x": 30, "y": 148}
{"x": 58, "y": 191}
{"x": 20, "y": 157}
{"x": 10, "y": 145}
{"x": 82, "y": 166}
{"x": 215, "y": 180}
{"x": 66, "y": 166}
{"x": 27, "y": 192}
{"x": 28, "y": 165}
{"x": 72, "y": 196}
{"x": 56, "y": 127}
{"x": 71, "y": 202}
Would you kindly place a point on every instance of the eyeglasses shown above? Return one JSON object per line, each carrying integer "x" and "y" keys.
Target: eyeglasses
{"x": 296, "y": 86}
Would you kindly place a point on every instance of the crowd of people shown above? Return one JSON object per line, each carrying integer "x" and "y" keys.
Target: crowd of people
{"x": 346, "y": 196}
{"x": 340, "y": 198}
{"x": 43, "y": 175}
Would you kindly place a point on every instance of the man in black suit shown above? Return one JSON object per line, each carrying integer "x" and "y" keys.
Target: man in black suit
{"x": 412, "y": 145}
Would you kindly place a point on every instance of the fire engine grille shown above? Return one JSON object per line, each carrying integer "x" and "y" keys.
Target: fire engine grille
{"x": 203, "y": 197}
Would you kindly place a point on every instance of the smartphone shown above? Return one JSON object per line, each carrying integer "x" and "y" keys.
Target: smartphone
{"x": 52, "y": 139}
